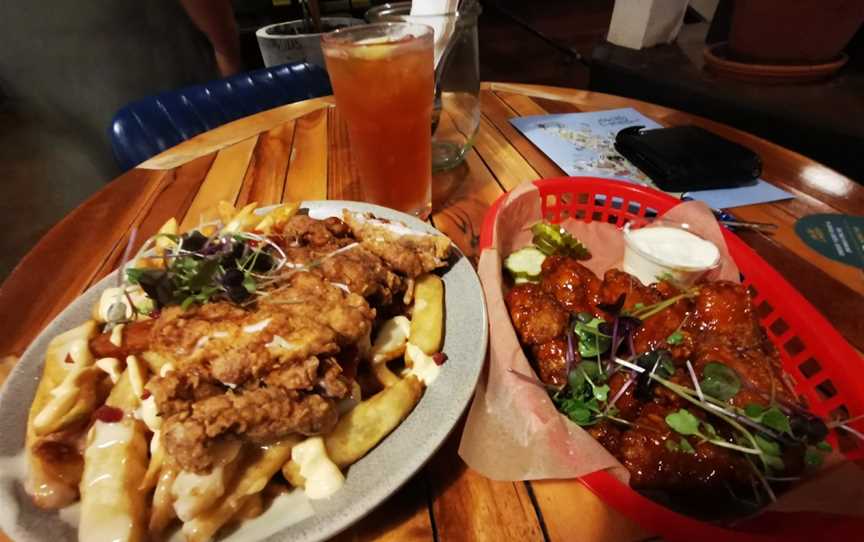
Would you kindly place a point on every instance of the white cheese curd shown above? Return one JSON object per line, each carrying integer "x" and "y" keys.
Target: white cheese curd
{"x": 323, "y": 477}
{"x": 659, "y": 252}
{"x": 193, "y": 493}
{"x": 149, "y": 414}
{"x": 117, "y": 335}
{"x": 111, "y": 366}
{"x": 421, "y": 365}
{"x": 165, "y": 369}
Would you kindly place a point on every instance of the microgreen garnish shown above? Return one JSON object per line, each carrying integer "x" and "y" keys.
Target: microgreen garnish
{"x": 771, "y": 417}
{"x": 201, "y": 269}
{"x": 591, "y": 341}
{"x": 719, "y": 381}
{"x": 675, "y": 338}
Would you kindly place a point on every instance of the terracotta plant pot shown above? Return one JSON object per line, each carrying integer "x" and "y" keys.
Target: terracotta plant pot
{"x": 792, "y": 31}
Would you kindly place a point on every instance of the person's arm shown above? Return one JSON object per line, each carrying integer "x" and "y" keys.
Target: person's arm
{"x": 215, "y": 18}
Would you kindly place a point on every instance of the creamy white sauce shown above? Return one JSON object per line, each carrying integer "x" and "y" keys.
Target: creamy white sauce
{"x": 79, "y": 351}
{"x": 201, "y": 342}
{"x": 107, "y": 435}
{"x": 675, "y": 247}
{"x": 422, "y": 366}
{"x": 278, "y": 345}
{"x": 343, "y": 287}
{"x": 348, "y": 403}
{"x": 116, "y": 337}
{"x": 391, "y": 339}
{"x": 122, "y": 295}
{"x": 194, "y": 493}
{"x": 256, "y": 327}
{"x": 165, "y": 369}
{"x": 323, "y": 478}
{"x": 71, "y": 515}
{"x": 110, "y": 366}
{"x": 220, "y": 334}
{"x": 149, "y": 414}
{"x": 396, "y": 228}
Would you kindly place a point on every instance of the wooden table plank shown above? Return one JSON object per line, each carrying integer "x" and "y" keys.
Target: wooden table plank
{"x": 307, "y": 170}
{"x": 222, "y": 183}
{"x": 570, "y": 508}
{"x": 404, "y": 517}
{"x": 265, "y": 177}
{"x": 499, "y": 114}
{"x": 66, "y": 259}
{"x": 343, "y": 181}
{"x": 470, "y": 507}
{"x": 233, "y": 132}
{"x": 509, "y": 167}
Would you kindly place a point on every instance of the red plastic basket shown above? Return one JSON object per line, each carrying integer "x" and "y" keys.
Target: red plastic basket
{"x": 826, "y": 369}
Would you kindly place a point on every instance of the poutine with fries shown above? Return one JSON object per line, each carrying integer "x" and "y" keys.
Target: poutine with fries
{"x": 255, "y": 353}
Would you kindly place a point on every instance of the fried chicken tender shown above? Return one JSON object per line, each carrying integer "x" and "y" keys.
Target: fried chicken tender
{"x": 255, "y": 374}
{"x": 404, "y": 250}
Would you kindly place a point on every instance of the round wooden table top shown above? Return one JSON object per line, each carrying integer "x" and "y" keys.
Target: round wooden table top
{"x": 300, "y": 152}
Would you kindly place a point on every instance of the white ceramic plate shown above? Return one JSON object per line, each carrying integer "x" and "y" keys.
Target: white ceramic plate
{"x": 369, "y": 482}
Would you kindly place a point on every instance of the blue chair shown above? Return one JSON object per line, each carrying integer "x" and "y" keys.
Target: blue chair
{"x": 147, "y": 127}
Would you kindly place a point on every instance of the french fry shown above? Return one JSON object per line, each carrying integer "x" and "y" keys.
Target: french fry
{"x": 162, "y": 511}
{"x": 385, "y": 377}
{"x": 115, "y": 461}
{"x": 72, "y": 401}
{"x": 291, "y": 472}
{"x": 359, "y": 430}
{"x": 391, "y": 340}
{"x": 154, "y": 468}
{"x": 252, "y": 479}
{"x": 244, "y": 220}
{"x": 53, "y": 476}
{"x": 225, "y": 211}
{"x": 427, "y": 319}
{"x": 277, "y": 218}
{"x": 195, "y": 493}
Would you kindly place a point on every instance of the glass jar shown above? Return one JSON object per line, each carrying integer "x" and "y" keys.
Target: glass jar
{"x": 456, "y": 117}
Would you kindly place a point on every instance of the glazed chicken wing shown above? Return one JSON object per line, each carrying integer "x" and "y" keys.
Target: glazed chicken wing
{"x": 536, "y": 315}
{"x": 572, "y": 284}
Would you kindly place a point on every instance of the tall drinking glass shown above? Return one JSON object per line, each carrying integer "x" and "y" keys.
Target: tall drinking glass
{"x": 383, "y": 80}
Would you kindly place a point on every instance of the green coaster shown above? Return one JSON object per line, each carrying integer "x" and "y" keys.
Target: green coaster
{"x": 835, "y": 236}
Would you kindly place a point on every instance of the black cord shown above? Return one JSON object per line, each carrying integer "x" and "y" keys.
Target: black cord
{"x": 572, "y": 54}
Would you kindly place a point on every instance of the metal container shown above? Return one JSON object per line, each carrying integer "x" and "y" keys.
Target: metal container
{"x": 456, "y": 117}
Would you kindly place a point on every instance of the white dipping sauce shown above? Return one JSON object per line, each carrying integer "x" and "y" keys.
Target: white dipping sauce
{"x": 675, "y": 247}
{"x": 659, "y": 252}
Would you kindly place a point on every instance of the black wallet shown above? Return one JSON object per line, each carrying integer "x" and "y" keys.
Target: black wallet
{"x": 685, "y": 158}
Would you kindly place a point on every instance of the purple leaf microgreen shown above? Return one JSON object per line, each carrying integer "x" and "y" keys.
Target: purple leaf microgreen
{"x": 629, "y": 365}
{"x": 837, "y": 423}
{"x": 695, "y": 381}
{"x": 763, "y": 481}
{"x": 855, "y": 432}
{"x": 133, "y": 235}
{"x": 620, "y": 393}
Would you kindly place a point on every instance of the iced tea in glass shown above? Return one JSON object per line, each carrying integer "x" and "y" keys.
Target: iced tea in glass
{"x": 383, "y": 80}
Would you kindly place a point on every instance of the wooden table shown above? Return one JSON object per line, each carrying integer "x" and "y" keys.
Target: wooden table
{"x": 300, "y": 151}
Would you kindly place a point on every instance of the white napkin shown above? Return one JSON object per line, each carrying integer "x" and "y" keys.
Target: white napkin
{"x": 431, "y": 13}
